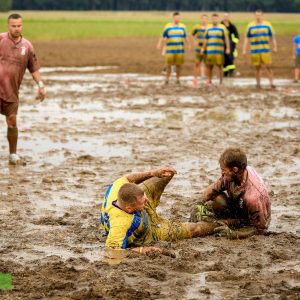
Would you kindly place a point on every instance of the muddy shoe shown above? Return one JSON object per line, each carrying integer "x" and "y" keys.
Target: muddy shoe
{"x": 200, "y": 213}
{"x": 13, "y": 159}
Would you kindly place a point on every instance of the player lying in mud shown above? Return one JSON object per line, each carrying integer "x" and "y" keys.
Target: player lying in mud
{"x": 239, "y": 199}
{"x": 129, "y": 214}
{"x": 239, "y": 195}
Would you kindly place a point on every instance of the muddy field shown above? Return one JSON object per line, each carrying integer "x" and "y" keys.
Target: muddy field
{"x": 95, "y": 127}
{"x": 139, "y": 55}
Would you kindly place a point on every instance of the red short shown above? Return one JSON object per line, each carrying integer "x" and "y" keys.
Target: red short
{"x": 8, "y": 108}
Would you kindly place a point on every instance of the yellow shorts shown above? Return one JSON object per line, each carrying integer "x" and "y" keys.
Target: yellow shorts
{"x": 214, "y": 59}
{"x": 174, "y": 59}
{"x": 258, "y": 59}
{"x": 161, "y": 229}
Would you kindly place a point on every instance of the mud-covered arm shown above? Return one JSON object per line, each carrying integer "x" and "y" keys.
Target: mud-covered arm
{"x": 245, "y": 45}
{"x": 142, "y": 176}
{"x": 214, "y": 189}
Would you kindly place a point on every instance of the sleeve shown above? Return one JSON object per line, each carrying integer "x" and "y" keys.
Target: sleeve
{"x": 271, "y": 30}
{"x": 194, "y": 30}
{"x": 118, "y": 233}
{"x": 165, "y": 32}
{"x": 248, "y": 31}
{"x": 33, "y": 64}
{"x": 184, "y": 32}
{"x": 235, "y": 31}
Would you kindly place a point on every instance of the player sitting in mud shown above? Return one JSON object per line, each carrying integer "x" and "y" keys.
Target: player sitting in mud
{"x": 238, "y": 196}
{"x": 129, "y": 214}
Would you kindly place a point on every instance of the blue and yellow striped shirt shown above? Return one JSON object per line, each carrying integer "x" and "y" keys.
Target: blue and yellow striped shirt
{"x": 175, "y": 35}
{"x": 199, "y": 33}
{"x": 215, "y": 36}
{"x": 259, "y": 36}
{"x": 123, "y": 230}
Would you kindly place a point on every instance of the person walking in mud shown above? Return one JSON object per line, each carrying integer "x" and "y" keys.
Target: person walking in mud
{"x": 129, "y": 215}
{"x": 215, "y": 45}
{"x": 174, "y": 37}
{"x": 259, "y": 34}
{"x": 16, "y": 55}
{"x": 239, "y": 196}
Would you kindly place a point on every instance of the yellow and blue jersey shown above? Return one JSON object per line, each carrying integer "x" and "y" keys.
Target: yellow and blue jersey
{"x": 199, "y": 33}
{"x": 175, "y": 35}
{"x": 259, "y": 36}
{"x": 215, "y": 36}
{"x": 123, "y": 230}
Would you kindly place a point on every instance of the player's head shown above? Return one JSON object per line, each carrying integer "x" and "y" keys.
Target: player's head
{"x": 176, "y": 17}
{"x": 226, "y": 17}
{"x": 204, "y": 19}
{"x": 258, "y": 15}
{"x": 132, "y": 197}
{"x": 15, "y": 25}
{"x": 215, "y": 19}
{"x": 233, "y": 163}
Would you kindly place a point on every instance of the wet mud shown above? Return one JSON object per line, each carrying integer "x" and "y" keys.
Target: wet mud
{"x": 94, "y": 128}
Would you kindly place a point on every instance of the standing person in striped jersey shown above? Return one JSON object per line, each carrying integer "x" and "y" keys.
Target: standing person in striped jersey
{"x": 259, "y": 34}
{"x": 198, "y": 34}
{"x": 215, "y": 44}
{"x": 174, "y": 37}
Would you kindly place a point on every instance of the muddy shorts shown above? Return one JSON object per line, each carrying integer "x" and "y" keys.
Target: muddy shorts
{"x": 174, "y": 59}
{"x": 258, "y": 59}
{"x": 8, "y": 108}
{"x": 162, "y": 229}
{"x": 297, "y": 61}
{"x": 214, "y": 59}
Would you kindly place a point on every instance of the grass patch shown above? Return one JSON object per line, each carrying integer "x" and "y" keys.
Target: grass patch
{"x": 85, "y": 25}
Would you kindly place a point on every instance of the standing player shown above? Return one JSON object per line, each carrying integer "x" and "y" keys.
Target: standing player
{"x": 260, "y": 33}
{"x": 174, "y": 36}
{"x": 233, "y": 35}
{"x": 16, "y": 55}
{"x": 296, "y": 55}
{"x": 216, "y": 41}
{"x": 198, "y": 34}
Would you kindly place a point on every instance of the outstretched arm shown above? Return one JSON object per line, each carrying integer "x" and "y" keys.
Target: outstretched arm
{"x": 142, "y": 176}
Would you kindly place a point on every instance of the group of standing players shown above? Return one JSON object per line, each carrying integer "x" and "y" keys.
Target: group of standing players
{"x": 216, "y": 45}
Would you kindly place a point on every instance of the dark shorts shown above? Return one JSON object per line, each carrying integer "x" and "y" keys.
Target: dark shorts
{"x": 8, "y": 108}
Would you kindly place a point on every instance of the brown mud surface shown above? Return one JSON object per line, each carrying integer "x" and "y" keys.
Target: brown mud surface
{"x": 139, "y": 55}
{"x": 94, "y": 128}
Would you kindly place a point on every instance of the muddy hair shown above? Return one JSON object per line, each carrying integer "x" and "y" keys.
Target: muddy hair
{"x": 176, "y": 13}
{"x": 214, "y": 15}
{"x": 14, "y": 17}
{"x": 234, "y": 157}
{"x": 129, "y": 192}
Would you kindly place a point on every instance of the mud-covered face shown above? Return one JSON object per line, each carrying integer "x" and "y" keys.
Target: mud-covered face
{"x": 139, "y": 204}
{"x": 230, "y": 174}
{"x": 15, "y": 27}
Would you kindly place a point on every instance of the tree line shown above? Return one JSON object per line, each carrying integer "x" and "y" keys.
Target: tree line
{"x": 184, "y": 5}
